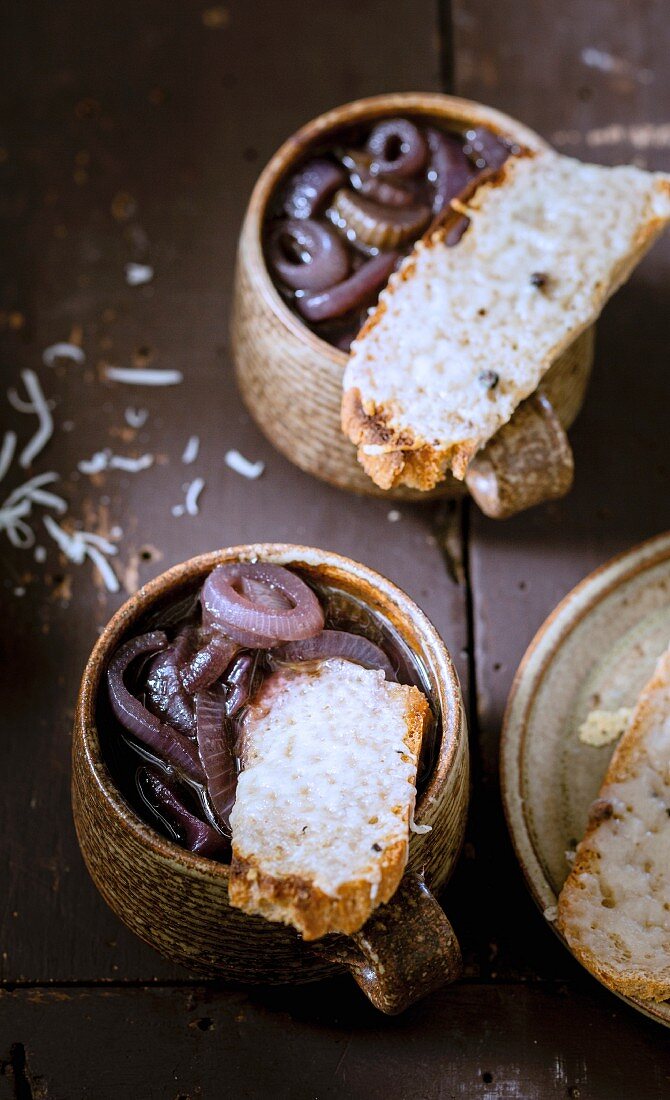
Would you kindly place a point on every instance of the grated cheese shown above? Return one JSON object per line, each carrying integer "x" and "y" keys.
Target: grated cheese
{"x": 39, "y": 406}
{"x": 79, "y": 545}
{"x": 106, "y": 460}
{"x": 136, "y": 418}
{"x": 138, "y": 274}
{"x": 192, "y": 494}
{"x": 191, "y": 450}
{"x": 243, "y": 466}
{"x": 19, "y": 504}
{"x": 7, "y": 452}
{"x": 62, "y": 351}
{"x": 143, "y": 377}
{"x": 190, "y": 505}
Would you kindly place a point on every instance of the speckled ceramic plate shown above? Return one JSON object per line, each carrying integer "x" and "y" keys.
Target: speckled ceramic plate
{"x": 595, "y": 651}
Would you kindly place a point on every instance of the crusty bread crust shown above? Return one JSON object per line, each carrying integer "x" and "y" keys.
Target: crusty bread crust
{"x": 296, "y": 900}
{"x": 392, "y": 458}
{"x": 388, "y": 448}
{"x": 634, "y": 982}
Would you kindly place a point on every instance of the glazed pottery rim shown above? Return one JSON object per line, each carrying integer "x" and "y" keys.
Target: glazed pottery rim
{"x": 431, "y": 104}
{"x": 446, "y": 681}
{"x": 564, "y": 619}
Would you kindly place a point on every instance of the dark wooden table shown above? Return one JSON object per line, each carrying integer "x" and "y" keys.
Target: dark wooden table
{"x": 133, "y": 132}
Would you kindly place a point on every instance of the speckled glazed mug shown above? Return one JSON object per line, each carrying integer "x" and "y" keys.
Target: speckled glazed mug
{"x": 178, "y": 901}
{"x": 291, "y": 379}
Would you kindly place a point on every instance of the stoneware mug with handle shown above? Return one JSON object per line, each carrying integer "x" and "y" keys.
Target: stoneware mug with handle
{"x": 177, "y": 901}
{"x": 291, "y": 379}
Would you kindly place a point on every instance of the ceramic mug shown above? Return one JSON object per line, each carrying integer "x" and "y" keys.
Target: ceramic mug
{"x": 291, "y": 380}
{"x": 177, "y": 901}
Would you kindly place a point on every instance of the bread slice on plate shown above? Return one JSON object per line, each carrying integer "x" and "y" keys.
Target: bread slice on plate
{"x": 614, "y": 909}
{"x": 464, "y": 332}
{"x": 325, "y": 798}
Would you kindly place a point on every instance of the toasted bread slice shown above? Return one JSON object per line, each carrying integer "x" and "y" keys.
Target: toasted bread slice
{"x": 614, "y": 909}
{"x": 325, "y": 797}
{"x": 463, "y": 333}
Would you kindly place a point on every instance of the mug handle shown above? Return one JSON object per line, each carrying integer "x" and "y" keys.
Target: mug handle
{"x": 528, "y": 461}
{"x": 405, "y": 950}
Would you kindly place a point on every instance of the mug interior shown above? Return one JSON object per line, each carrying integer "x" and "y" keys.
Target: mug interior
{"x": 156, "y": 602}
{"x": 442, "y": 109}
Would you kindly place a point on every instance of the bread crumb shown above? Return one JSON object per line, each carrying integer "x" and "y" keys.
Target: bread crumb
{"x": 602, "y": 727}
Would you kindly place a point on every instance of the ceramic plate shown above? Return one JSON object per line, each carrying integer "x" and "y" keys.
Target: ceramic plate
{"x": 595, "y": 651}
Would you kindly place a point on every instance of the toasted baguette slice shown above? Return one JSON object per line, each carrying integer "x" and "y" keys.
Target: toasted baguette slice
{"x": 614, "y": 909}
{"x": 418, "y": 394}
{"x": 326, "y": 796}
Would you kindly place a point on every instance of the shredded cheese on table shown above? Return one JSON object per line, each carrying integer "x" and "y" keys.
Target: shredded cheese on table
{"x": 62, "y": 351}
{"x": 106, "y": 460}
{"x": 39, "y": 406}
{"x": 19, "y": 505}
{"x": 79, "y": 545}
{"x": 143, "y": 377}
{"x": 243, "y": 466}
{"x": 136, "y": 418}
{"x": 138, "y": 274}
{"x": 7, "y": 452}
{"x": 191, "y": 450}
{"x": 190, "y": 505}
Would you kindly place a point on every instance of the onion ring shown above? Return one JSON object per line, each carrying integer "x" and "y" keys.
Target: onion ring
{"x": 167, "y": 742}
{"x": 209, "y": 663}
{"x": 397, "y": 147}
{"x": 486, "y": 149}
{"x": 450, "y": 165}
{"x": 163, "y": 799}
{"x": 238, "y": 682}
{"x": 242, "y": 618}
{"x": 307, "y": 255}
{"x": 214, "y": 746}
{"x": 310, "y": 188}
{"x": 164, "y": 693}
{"x": 335, "y": 643}
{"x": 386, "y": 191}
{"x": 355, "y": 291}
{"x": 378, "y": 226}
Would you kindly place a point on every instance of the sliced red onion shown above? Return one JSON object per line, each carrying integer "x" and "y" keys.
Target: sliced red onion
{"x": 238, "y": 682}
{"x": 355, "y": 291}
{"x": 241, "y": 617}
{"x": 397, "y": 146}
{"x": 486, "y": 149}
{"x": 307, "y": 255}
{"x": 163, "y": 688}
{"x": 209, "y": 663}
{"x": 167, "y": 742}
{"x": 450, "y": 166}
{"x": 382, "y": 227}
{"x": 456, "y": 230}
{"x": 310, "y": 188}
{"x": 386, "y": 191}
{"x": 163, "y": 797}
{"x": 214, "y": 746}
{"x": 335, "y": 643}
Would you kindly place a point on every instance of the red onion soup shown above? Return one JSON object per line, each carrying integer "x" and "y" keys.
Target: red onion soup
{"x": 177, "y": 689}
{"x": 341, "y": 221}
